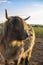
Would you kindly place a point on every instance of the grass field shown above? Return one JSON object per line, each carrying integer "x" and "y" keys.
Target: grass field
{"x": 38, "y": 30}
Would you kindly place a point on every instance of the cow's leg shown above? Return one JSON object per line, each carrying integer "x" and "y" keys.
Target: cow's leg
{"x": 6, "y": 63}
{"x": 26, "y": 60}
{"x": 20, "y": 56}
{"x": 29, "y": 55}
{"x": 2, "y": 60}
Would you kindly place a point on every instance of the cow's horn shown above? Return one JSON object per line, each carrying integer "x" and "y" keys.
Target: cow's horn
{"x": 27, "y": 18}
{"x": 6, "y": 15}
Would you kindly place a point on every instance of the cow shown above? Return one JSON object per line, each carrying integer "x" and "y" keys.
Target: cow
{"x": 17, "y": 38}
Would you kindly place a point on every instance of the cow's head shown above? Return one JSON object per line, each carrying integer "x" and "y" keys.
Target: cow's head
{"x": 14, "y": 28}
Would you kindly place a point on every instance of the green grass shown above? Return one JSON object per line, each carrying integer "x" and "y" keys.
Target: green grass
{"x": 38, "y": 30}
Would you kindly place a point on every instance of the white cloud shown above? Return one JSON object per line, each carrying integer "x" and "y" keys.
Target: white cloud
{"x": 4, "y": 1}
{"x": 35, "y": 11}
{"x": 36, "y": 5}
{"x": 36, "y": 18}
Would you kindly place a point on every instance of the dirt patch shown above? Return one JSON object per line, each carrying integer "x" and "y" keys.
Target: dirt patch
{"x": 37, "y": 54}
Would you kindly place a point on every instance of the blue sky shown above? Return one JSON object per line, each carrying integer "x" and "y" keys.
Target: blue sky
{"x": 23, "y": 8}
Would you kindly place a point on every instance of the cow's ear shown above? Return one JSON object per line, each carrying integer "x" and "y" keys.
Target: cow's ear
{"x": 27, "y": 18}
{"x": 6, "y": 15}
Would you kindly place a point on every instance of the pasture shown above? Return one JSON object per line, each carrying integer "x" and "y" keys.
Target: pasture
{"x": 38, "y": 30}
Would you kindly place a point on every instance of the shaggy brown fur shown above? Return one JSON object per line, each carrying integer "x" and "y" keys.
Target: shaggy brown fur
{"x": 13, "y": 29}
{"x": 17, "y": 39}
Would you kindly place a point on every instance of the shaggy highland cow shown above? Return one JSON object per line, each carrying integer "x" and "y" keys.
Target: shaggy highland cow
{"x": 17, "y": 39}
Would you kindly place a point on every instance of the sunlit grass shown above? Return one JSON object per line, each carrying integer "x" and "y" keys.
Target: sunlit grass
{"x": 38, "y": 30}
